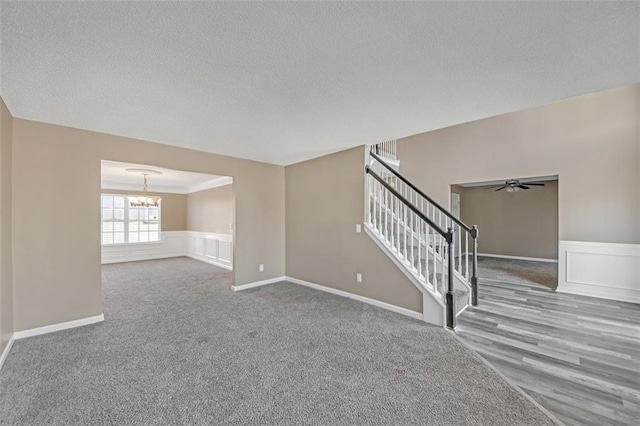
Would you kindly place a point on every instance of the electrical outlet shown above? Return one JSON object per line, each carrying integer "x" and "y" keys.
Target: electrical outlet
{"x": 358, "y": 228}
{"x": 261, "y": 268}
{"x": 359, "y": 278}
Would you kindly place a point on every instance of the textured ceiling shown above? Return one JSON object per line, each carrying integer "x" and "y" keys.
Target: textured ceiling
{"x": 284, "y": 82}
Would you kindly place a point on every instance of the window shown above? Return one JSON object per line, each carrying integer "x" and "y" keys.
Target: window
{"x": 123, "y": 224}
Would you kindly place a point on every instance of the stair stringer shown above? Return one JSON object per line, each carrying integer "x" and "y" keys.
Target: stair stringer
{"x": 433, "y": 309}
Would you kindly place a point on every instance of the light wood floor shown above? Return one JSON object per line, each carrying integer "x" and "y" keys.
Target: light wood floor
{"x": 579, "y": 357}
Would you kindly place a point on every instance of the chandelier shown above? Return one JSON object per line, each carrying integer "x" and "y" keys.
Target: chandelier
{"x": 144, "y": 200}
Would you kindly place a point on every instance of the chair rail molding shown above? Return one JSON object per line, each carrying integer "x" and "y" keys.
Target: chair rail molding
{"x": 605, "y": 270}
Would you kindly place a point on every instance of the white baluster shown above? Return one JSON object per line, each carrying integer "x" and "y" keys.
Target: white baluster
{"x": 398, "y": 209}
{"x": 368, "y": 198}
{"x": 374, "y": 207}
{"x": 420, "y": 222}
{"x": 434, "y": 266}
{"x": 466, "y": 255}
{"x": 459, "y": 248}
{"x": 394, "y": 227}
{"x": 441, "y": 263}
{"x": 379, "y": 207}
{"x": 404, "y": 228}
{"x": 426, "y": 263}
{"x": 386, "y": 214}
{"x": 413, "y": 252}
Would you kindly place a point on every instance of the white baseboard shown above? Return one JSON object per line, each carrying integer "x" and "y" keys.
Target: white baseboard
{"x": 7, "y": 348}
{"x": 215, "y": 249}
{"x": 58, "y": 327}
{"x": 172, "y": 244}
{"x": 504, "y": 256}
{"x": 209, "y": 261}
{"x": 379, "y": 304}
{"x": 139, "y": 258}
{"x": 604, "y": 270}
{"x": 257, "y": 283}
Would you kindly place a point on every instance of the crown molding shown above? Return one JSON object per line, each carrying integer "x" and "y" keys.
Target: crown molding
{"x": 215, "y": 183}
{"x": 155, "y": 188}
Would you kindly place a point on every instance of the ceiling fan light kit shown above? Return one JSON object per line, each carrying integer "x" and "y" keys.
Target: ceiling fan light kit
{"x": 514, "y": 185}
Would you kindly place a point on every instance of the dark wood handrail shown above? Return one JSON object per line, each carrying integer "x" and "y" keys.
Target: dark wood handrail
{"x": 448, "y": 235}
{"x": 412, "y": 186}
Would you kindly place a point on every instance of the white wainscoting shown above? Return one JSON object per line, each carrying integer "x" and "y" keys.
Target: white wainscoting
{"x": 609, "y": 271}
{"x": 216, "y": 249}
{"x": 173, "y": 244}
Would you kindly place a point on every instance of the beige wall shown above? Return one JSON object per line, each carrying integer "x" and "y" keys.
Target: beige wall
{"x": 6, "y": 271}
{"x": 590, "y": 142}
{"x": 173, "y": 208}
{"x": 57, "y": 271}
{"x": 211, "y": 210}
{"x": 523, "y": 223}
{"x": 324, "y": 202}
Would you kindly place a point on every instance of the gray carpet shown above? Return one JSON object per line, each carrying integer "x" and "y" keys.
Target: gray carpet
{"x": 178, "y": 347}
{"x": 518, "y": 271}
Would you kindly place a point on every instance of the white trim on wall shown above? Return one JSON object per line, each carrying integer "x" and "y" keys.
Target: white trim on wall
{"x": 167, "y": 189}
{"x": 6, "y": 350}
{"x": 216, "y": 249}
{"x": 209, "y": 261}
{"x": 258, "y": 283}
{"x": 605, "y": 270}
{"x": 377, "y": 303}
{"x": 504, "y": 256}
{"x": 57, "y": 327}
{"x": 216, "y": 183}
{"x": 171, "y": 244}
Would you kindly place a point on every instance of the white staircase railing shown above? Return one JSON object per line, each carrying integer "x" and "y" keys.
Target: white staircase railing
{"x": 402, "y": 217}
{"x": 387, "y": 150}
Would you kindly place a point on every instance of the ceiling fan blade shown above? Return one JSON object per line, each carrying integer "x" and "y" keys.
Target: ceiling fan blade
{"x": 534, "y": 184}
{"x": 523, "y": 187}
{"x": 492, "y": 186}
{"x": 503, "y": 187}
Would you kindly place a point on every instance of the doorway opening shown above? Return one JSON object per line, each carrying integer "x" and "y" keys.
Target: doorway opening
{"x": 150, "y": 212}
{"x": 517, "y": 218}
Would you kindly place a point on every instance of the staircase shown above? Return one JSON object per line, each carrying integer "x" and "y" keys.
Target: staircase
{"x": 435, "y": 250}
